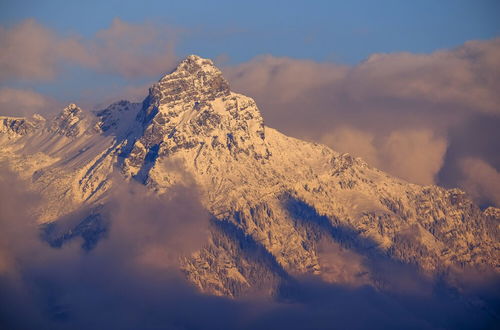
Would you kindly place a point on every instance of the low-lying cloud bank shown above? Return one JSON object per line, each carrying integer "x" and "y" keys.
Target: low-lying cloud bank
{"x": 131, "y": 279}
{"x": 417, "y": 116}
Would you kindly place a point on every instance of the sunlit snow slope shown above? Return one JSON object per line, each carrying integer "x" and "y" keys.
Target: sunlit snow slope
{"x": 281, "y": 207}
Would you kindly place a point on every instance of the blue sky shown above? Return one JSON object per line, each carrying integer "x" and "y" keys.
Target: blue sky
{"x": 341, "y": 31}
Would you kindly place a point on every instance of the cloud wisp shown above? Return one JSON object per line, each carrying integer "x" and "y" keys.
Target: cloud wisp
{"x": 24, "y": 102}
{"x": 33, "y": 52}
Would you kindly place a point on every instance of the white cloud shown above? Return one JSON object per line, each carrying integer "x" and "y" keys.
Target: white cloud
{"x": 414, "y": 155}
{"x": 30, "y": 51}
{"x": 21, "y": 102}
{"x": 481, "y": 180}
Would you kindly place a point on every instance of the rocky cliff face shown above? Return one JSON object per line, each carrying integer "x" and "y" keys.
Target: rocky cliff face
{"x": 12, "y": 127}
{"x": 280, "y": 207}
{"x": 190, "y": 110}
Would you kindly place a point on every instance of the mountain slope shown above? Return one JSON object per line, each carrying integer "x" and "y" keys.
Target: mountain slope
{"x": 281, "y": 207}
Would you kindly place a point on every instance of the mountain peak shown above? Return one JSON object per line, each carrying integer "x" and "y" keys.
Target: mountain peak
{"x": 193, "y": 108}
{"x": 195, "y": 78}
{"x": 19, "y": 126}
{"x": 193, "y": 83}
{"x": 69, "y": 122}
{"x": 193, "y": 64}
{"x": 279, "y": 207}
{"x": 72, "y": 109}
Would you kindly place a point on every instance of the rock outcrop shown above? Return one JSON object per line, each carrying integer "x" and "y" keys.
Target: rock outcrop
{"x": 280, "y": 207}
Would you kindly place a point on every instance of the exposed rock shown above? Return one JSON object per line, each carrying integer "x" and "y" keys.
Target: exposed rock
{"x": 14, "y": 126}
{"x": 276, "y": 201}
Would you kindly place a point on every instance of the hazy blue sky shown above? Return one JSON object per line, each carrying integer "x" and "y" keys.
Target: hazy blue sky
{"x": 232, "y": 32}
{"x": 344, "y": 31}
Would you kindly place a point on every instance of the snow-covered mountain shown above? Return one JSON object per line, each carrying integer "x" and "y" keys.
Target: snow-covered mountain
{"x": 281, "y": 207}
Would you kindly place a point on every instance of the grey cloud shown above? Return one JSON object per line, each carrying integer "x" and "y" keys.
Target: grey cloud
{"x": 399, "y": 111}
{"x": 28, "y": 52}
{"x": 22, "y": 102}
{"x": 155, "y": 230}
{"x": 475, "y": 140}
{"x": 414, "y": 154}
{"x": 481, "y": 180}
{"x": 417, "y": 155}
{"x": 132, "y": 50}
{"x": 33, "y": 52}
{"x": 465, "y": 78}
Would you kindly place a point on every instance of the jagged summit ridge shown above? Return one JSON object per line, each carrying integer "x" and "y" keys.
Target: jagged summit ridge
{"x": 193, "y": 108}
{"x": 14, "y": 127}
{"x": 194, "y": 81}
{"x": 281, "y": 194}
{"x": 71, "y": 122}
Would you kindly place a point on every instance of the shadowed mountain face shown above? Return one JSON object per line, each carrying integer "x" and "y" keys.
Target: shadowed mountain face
{"x": 280, "y": 208}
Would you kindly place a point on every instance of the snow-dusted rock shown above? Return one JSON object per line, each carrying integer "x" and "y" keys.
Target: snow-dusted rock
{"x": 19, "y": 126}
{"x": 280, "y": 205}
